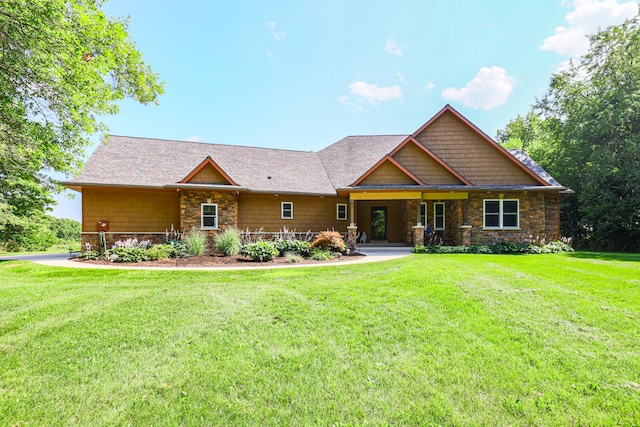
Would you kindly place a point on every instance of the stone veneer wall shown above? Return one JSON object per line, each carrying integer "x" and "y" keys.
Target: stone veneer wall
{"x": 538, "y": 218}
{"x": 190, "y": 210}
{"x": 409, "y": 219}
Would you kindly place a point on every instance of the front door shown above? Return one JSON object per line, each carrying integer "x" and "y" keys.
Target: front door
{"x": 378, "y": 224}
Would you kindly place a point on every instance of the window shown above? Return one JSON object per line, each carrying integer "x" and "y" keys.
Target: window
{"x": 341, "y": 211}
{"x": 501, "y": 214}
{"x": 423, "y": 214}
{"x": 287, "y": 210}
{"x": 209, "y": 215}
{"x": 438, "y": 216}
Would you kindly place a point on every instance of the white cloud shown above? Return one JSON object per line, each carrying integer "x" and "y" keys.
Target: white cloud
{"x": 269, "y": 54}
{"x": 277, "y": 35}
{"x": 374, "y": 94}
{"x": 587, "y": 17}
{"x": 195, "y": 138}
{"x": 391, "y": 46}
{"x": 431, "y": 85}
{"x": 400, "y": 77}
{"x": 489, "y": 89}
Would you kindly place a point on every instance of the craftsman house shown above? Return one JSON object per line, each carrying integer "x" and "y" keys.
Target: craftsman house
{"x": 448, "y": 176}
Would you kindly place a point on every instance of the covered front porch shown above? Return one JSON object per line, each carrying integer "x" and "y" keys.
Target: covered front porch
{"x": 406, "y": 218}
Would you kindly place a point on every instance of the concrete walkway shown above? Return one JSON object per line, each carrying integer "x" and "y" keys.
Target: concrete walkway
{"x": 61, "y": 260}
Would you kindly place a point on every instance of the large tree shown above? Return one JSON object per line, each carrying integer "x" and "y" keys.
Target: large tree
{"x": 591, "y": 120}
{"x": 63, "y": 64}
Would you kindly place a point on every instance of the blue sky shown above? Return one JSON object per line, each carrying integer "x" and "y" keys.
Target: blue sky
{"x": 304, "y": 74}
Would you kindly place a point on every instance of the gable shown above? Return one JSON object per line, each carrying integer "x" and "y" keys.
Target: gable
{"x": 424, "y": 166}
{"x": 208, "y": 172}
{"x": 471, "y": 153}
{"x": 388, "y": 172}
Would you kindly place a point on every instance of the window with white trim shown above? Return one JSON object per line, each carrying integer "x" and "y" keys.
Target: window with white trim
{"x": 502, "y": 213}
{"x": 209, "y": 215}
{"x": 286, "y": 210}
{"x": 438, "y": 216}
{"x": 423, "y": 214}
{"x": 341, "y": 211}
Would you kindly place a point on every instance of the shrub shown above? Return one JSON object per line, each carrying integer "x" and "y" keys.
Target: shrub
{"x": 260, "y": 251}
{"x": 498, "y": 248}
{"x": 320, "y": 255}
{"x": 228, "y": 242}
{"x": 163, "y": 251}
{"x": 293, "y": 246}
{"x": 195, "y": 242}
{"x": 329, "y": 240}
{"x": 291, "y": 257}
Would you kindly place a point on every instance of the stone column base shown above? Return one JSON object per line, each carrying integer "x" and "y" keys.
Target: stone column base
{"x": 466, "y": 234}
{"x": 352, "y": 237}
{"x": 418, "y": 235}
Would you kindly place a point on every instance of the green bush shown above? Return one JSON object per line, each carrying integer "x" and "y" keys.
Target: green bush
{"x": 329, "y": 240}
{"x": 228, "y": 242}
{"x": 299, "y": 247}
{"x": 163, "y": 251}
{"x": 498, "y": 248}
{"x": 195, "y": 242}
{"x": 320, "y": 255}
{"x": 260, "y": 251}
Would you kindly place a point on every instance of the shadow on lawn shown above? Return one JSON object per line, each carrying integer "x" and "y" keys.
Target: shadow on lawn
{"x": 607, "y": 256}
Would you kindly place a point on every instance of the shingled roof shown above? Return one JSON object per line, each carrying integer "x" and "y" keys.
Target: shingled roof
{"x": 143, "y": 162}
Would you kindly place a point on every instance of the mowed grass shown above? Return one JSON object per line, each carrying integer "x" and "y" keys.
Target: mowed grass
{"x": 425, "y": 340}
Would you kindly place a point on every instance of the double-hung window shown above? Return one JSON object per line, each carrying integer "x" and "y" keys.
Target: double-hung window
{"x": 209, "y": 215}
{"x": 438, "y": 216}
{"x": 286, "y": 210}
{"x": 423, "y": 214}
{"x": 341, "y": 211}
{"x": 501, "y": 214}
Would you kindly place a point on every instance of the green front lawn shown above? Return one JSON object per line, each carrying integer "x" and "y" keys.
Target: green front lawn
{"x": 425, "y": 340}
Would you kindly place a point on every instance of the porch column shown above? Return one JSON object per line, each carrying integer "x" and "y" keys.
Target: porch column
{"x": 352, "y": 212}
{"x": 418, "y": 235}
{"x": 352, "y": 237}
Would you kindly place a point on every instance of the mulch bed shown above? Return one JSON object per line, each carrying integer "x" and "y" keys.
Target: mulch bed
{"x": 218, "y": 261}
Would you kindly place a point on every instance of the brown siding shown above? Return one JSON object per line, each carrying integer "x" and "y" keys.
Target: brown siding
{"x": 469, "y": 155}
{"x": 309, "y": 213}
{"x": 208, "y": 175}
{"x": 387, "y": 173}
{"x": 395, "y": 219}
{"x": 423, "y": 166}
{"x": 129, "y": 210}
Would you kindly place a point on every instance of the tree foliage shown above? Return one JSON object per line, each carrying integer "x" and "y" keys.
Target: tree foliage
{"x": 590, "y": 139}
{"x": 63, "y": 64}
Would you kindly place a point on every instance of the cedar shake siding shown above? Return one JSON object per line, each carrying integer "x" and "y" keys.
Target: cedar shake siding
{"x": 309, "y": 213}
{"x": 388, "y": 174}
{"x": 467, "y": 153}
{"x": 423, "y": 166}
{"x": 128, "y": 211}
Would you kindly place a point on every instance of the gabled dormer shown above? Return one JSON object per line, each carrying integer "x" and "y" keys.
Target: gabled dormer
{"x": 208, "y": 172}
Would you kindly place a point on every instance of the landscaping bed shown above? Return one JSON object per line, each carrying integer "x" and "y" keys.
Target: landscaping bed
{"x": 221, "y": 261}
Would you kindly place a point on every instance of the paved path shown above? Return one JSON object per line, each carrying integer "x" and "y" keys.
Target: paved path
{"x": 62, "y": 260}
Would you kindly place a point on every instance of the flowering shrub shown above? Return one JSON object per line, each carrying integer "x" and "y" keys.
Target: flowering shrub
{"x": 329, "y": 240}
